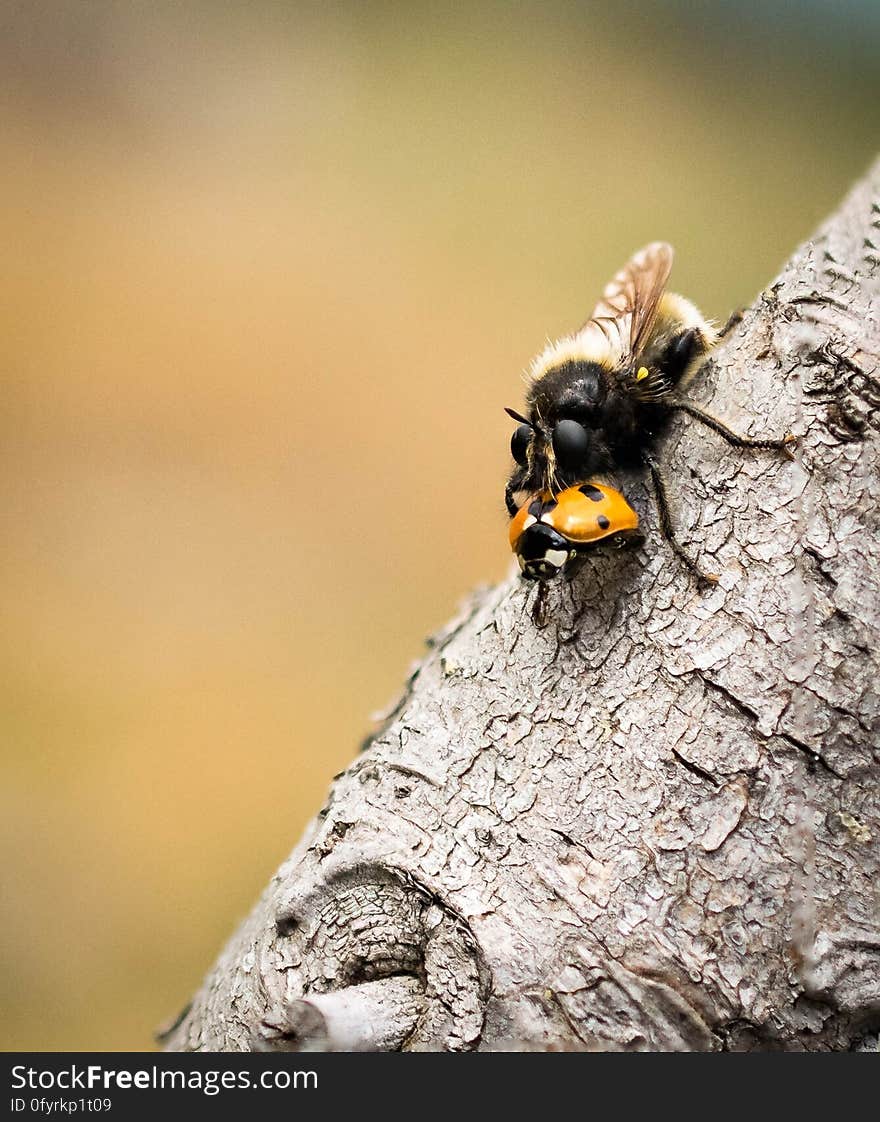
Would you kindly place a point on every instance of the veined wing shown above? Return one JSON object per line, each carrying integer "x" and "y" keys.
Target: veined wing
{"x": 626, "y": 313}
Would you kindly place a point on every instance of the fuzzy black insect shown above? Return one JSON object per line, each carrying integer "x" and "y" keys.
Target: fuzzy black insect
{"x": 599, "y": 399}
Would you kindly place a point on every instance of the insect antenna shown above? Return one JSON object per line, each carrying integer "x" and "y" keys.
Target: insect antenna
{"x": 518, "y": 417}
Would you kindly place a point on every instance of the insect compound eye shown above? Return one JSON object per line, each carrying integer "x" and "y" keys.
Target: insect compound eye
{"x": 570, "y": 443}
{"x": 519, "y": 444}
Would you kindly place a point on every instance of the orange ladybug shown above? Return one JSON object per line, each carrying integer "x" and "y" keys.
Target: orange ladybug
{"x": 548, "y": 531}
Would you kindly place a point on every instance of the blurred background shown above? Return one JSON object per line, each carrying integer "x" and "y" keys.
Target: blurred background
{"x": 270, "y": 272}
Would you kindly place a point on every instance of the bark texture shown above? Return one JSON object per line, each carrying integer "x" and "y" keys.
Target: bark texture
{"x": 652, "y": 821}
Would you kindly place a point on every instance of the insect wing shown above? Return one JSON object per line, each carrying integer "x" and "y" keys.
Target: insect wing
{"x": 628, "y": 308}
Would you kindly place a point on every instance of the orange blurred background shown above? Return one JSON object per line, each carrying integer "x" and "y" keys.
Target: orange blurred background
{"x": 271, "y": 271}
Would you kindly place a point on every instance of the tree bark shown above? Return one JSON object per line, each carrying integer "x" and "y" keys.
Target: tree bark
{"x": 653, "y": 820}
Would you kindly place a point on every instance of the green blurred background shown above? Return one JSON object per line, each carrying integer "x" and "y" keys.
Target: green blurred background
{"x": 270, "y": 272}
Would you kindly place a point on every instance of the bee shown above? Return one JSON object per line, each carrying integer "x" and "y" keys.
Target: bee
{"x": 599, "y": 400}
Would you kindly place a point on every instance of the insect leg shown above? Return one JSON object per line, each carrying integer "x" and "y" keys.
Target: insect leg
{"x": 514, "y": 484}
{"x": 733, "y": 320}
{"x": 666, "y": 521}
{"x": 680, "y": 353}
{"x": 539, "y": 605}
{"x": 729, "y": 435}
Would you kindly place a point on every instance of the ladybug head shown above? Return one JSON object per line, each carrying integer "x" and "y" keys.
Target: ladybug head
{"x": 542, "y": 552}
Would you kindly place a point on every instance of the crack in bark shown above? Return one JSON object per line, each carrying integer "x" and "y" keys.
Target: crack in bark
{"x": 695, "y": 769}
{"x": 736, "y": 702}
{"x": 815, "y": 758}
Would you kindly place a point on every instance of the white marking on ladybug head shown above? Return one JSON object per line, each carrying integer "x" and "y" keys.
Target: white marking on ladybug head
{"x": 556, "y": 557}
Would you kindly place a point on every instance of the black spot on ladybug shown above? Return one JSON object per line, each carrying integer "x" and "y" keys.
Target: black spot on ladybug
{"x": 538, "y": 508}
{"x": 603, "y": 522}
{"x": 592, "y": 493}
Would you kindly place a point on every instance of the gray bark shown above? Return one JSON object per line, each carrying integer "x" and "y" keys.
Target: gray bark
{"x": 652, "y": 822}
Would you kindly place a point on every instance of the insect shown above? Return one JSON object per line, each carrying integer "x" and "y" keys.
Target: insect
{"x": 599, "y": 400}
{"x": 553, "y": 530}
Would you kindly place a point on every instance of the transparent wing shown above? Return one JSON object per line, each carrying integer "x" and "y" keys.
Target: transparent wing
{"x": 626, "y": 313}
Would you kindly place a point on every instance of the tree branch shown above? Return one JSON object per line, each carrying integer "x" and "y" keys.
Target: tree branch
{"x": 654, "y": 822}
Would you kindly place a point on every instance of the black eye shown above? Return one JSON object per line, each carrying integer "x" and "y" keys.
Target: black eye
{"x": 519, "y": 444}
{"x": 570, "y": 443}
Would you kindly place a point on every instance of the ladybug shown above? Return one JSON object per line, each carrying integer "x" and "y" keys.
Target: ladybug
{"x": 549, "y": 531}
